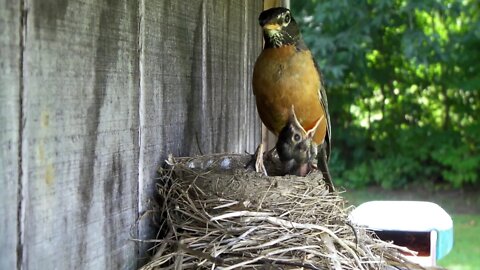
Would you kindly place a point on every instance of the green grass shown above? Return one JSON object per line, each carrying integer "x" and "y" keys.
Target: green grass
{"x": 465, "y": 254}
{"x": 464, "y": 210}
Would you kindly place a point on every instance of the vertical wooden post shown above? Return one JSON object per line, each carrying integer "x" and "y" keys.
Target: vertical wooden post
{"x": 11, "y": 39}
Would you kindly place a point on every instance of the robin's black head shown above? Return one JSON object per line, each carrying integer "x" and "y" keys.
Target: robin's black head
{"x": 279, "y": 28}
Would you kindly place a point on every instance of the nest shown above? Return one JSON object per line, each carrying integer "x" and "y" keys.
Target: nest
{"x": 218, "y": 215}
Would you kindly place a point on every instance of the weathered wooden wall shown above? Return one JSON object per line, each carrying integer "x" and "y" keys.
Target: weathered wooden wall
{"x": 94, "y": 95}
{"x": 197, "y": 60}
{"x": 9, "y": 132}
{"x": 80, "y": 139}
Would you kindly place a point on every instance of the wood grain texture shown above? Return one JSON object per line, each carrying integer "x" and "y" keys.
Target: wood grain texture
{"x": 102, "y": 92}
{"x": 196, "y": 95}
{"x": 81, "y": 134}
{"x": 276, "y": 3}
{"x": 234, "y": 42}
{"x": 9, "y": 132}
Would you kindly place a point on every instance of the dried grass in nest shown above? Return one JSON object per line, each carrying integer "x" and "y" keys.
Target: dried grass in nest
{"x": 219, "y": 216}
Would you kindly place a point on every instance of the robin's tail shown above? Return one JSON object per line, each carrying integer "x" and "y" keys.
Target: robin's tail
{"x": 323, "y": 167}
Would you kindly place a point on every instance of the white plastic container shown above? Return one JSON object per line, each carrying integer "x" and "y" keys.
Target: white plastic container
{"x": 420, "y": 226}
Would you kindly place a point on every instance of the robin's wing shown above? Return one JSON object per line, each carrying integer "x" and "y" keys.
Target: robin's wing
{"x": 325, "y": 149}
{"x": 324, "y": 102}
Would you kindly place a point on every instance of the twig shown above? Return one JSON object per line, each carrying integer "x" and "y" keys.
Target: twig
{"x": 241, "y": 214}
{"x": 290, "y": 224}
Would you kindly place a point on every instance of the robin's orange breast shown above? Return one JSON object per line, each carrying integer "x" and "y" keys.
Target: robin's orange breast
{"x": 283, "y": 77}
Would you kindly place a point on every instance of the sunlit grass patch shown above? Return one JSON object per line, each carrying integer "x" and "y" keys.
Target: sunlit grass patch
{"x": 466, "y": 250}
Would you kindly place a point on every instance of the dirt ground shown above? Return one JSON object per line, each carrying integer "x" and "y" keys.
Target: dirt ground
{"x": 463, "y": 201}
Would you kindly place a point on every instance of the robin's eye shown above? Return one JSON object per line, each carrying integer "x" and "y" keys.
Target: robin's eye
{"x": 296, "y": 137}
{"x": 287, "y": 18}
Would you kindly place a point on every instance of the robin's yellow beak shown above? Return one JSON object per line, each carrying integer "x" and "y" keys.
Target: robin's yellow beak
{"x": 272, "y": 27}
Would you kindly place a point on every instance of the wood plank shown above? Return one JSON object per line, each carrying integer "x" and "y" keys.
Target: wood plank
{"x": 231, "y": 120}
{"x": 276, "y": 3}
{"x": 167, "y": 59}
{"x": 9, "y": 131}
{"x": 196, "y": 83}
{"x": 80, "y": 141}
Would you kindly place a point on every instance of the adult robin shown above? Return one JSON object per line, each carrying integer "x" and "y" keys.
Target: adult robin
{"x": 286, "y": 74}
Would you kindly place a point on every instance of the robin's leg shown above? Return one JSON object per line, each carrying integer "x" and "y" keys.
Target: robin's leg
{"x": 258, "y": 159}
{"x": 259, "y": 166}
{"x": 323, "y": 167}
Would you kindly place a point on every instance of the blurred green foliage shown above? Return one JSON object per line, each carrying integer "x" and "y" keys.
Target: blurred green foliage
{"x": 403, "y": 81}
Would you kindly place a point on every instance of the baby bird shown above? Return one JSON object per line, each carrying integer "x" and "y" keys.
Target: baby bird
{"x": 295, "y": 147}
